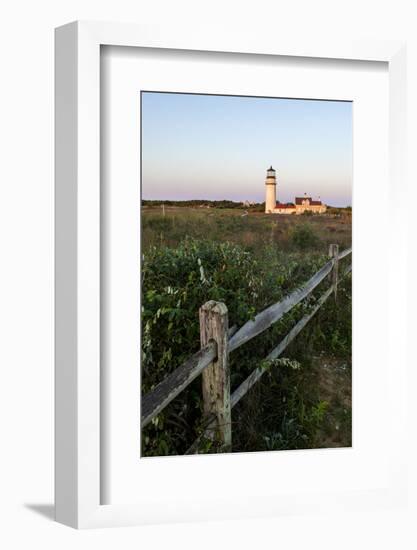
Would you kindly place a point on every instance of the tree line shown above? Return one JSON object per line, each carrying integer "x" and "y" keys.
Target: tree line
{"x": 203, "y": 203}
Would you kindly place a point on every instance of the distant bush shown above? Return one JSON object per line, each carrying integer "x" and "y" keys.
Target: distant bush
{"x": 304, "y": 236}
{"x": 194, "y": 203}
{"x": 260, "y": 207}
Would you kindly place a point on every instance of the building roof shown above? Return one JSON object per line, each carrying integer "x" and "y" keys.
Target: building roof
{"x": 299, "y": 200}
{"x": 270, "y": 168}
{"x": 286, "y": 205}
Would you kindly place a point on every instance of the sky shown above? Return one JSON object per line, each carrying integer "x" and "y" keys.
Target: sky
{"x": 219, "y": 147}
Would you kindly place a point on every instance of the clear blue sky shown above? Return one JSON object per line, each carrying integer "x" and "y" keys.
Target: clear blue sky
{"x": 219, "y": 147}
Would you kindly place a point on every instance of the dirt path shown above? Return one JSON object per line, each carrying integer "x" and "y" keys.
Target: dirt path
{"x": 334, "y": 379}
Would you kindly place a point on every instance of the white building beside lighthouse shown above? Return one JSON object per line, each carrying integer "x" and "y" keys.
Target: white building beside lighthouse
{"x": 300, "y": 205}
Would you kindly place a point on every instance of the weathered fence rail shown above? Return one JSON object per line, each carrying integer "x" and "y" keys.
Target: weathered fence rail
{"x": 218, "y": 340}
{"x": 274, "y": 313}
{"x": 276, "y": 352}
{"x": 153, "y": 403}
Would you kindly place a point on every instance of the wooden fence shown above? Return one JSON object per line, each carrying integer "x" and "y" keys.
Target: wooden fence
{"x": 218, "y": 340}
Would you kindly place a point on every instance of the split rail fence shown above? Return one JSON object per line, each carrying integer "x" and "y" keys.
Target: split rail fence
{"x": 218, "y": 341}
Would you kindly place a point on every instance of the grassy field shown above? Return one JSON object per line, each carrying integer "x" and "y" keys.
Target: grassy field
{"x": 248, "y": 260}
{"x": 249, "y": 230}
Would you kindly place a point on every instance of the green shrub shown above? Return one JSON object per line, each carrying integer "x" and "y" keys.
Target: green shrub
{"x": 304, "y": 236}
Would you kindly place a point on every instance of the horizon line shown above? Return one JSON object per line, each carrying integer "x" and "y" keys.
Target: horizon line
{"x": 230, "y": 200}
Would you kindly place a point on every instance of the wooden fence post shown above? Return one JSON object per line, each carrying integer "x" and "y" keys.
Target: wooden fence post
{"x": 334, "y": 253}
{"x": 214, "y": 325}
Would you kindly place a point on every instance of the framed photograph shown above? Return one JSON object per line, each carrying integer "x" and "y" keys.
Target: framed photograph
{"x": 226, "y": 263}
{"x": 226, "y": 345}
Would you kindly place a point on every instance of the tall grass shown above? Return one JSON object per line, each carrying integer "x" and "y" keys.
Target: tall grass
{"x": 251, "y": 231}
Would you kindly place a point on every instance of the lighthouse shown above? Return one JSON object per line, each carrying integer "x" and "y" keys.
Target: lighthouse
{"x": 270, "y": 191}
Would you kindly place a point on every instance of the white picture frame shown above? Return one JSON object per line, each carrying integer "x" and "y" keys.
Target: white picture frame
{"x": 78, "y": 265}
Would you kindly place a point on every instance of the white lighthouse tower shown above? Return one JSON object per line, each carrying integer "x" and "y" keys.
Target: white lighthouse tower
{"x": 270, "y": 191}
